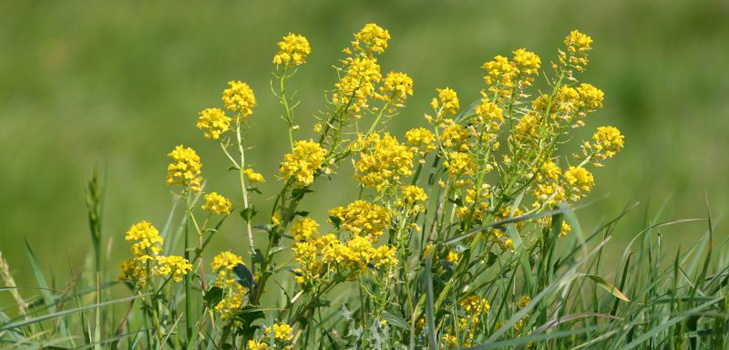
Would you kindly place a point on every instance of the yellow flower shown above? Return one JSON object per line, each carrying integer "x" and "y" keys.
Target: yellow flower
{"x": 357, "y": 85}
{"x": 454, "y": 136}
{"x": 173, "y": 265}
{"x": 226, "y": 260}
{"x": 499, "y": 71}
{"x": 475, "y": 305}
{"x": 396, "y": 88}
{"x": 293, "y": 48}
{"x": 578, "y": 44}
{"x": 590, "y": 97}
{"x": 304, "y": 229}
{"x": 607, "y": 141}
{"x": 255, "y": 345}
{"x": 362, "y": 218}
{"x": 422, "y": 139}
{"x": 527, "y": 63}
{"x": 239, "y": 98}
{"x": 253, "y": 177}
{"x": 282, "y": 332}
{"x": 148, "y": 240}
{"x": 135, "y": 271}
{"x": 214, "y": 122}
{"x": 447, "y": 102}
{"x": 527, "y": 129}
{"x": 301, "y": 165}
{"x": 523, "y": 301}
{"x": 453, "y": 257}
{"x": 370, "y": 39}
{"x": 580, "y": 182}
{"x": 489, "y": 114}
{"x": 216, "y": 204}
{"x": 459, "y": 163}
{"x": 382, "y": 161}
{"x": 185, "y": 168}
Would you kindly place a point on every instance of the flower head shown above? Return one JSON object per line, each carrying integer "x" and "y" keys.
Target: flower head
{"x": 607, "y": 141}
{"x": 383, "y": 160}
{"x": 185, "y": 168}
{"x": 371, "y": 39}
{"x": 357, "y": 86}
{"x": 216, "y": 204}
{"x": 362, "y": 218}
{"x": 213, "y": 122}
{"x": 396, "y": 88}
{"x": 172, "y": 265}
{"x": 253, "y": 177}
{"x": 146, "y": 237}
{"x": 239, "y": 98}
{"x": 301, "y": 165}
{"x": 579, "y": 181}
{"x": 292, "y": 49}
{"x": 304, "y": 229}
{"x": 446, "y": 102}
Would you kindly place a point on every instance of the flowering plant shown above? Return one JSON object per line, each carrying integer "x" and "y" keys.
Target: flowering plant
{"x": 462, "y": 233}
{"x": 451, "y": 200}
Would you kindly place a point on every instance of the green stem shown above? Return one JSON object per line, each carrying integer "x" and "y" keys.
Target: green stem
{"x": 243, "y": 186}
{"x": 188, "y": 284}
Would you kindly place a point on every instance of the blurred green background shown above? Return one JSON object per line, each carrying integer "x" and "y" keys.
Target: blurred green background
{"x": 87, "y": 83}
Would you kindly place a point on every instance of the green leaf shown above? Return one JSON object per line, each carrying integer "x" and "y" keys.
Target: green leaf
{"x": 609, "y": 287}
{"x": 213, "y": 296}
{"x": 248, "y": 213}
{"x": 395, "y": 320}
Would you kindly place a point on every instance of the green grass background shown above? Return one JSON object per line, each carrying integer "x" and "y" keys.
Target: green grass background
{"x": 87, "y": 83}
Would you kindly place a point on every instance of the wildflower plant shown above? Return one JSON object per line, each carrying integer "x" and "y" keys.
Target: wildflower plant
{"x": 451, "y": 242}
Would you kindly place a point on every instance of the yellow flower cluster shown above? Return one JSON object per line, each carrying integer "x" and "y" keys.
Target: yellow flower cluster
{"x": 282, "y": 333}
{"x": 256, "y": 345}
{"x": 253, "y": 177}
{"x": 362, "y": 218}
{"x": 499, "y": 71}
{"x": 355, "y": 88}
{"x": 146, "y": 259}
{"x": 489, "y": 114}
{"x": 239, "y": 98}
{"x": 460, "y": 164}
{"x": 454, "y": 136}
{"x": 301, "y": 165}
{"x": 527, "y": 64}
{"x": 548, "y": 187}
{"x": 446, "y": 104}
{"x": 412, "y": 199}
{"x": 293, "y": 50}
{"x": 304, "y": 229}
{"x": 590, "y": 97}
{"x": 422, "y": 140}
{"x": 232, "y": 301}
{"x": 172, "y": 265}
{"x": 371, "y": 39}
{"x": 185, "y": 168}
{"x": 579, "y": 182}
{"x": 578, "y": 44}
{"x": 396, "y": 88}
{"x": 607, "y": 141}
{"x": 213, "y": 122}
{"x": 216, "y": 204}
{"x": 382, "y": 161}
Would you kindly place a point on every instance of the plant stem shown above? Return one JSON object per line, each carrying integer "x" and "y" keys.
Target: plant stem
{"x": 188, "y": 290}
{"x": 243, "y": 186}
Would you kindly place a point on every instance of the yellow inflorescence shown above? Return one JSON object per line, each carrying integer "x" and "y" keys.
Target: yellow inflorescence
{"x": 216, "y": 204}
{"x": 282, "y": 332}
{"x": 301, "y": 165}
{"x": 293, "y": 50}
{"x": 239, "y": 98}
{"x": 213, "y": 122}
{"x": 460, "y": 164}
{"x": 371, "y": 39}
{"x": 304, "y": 229}
{"x": 527, "y": 63}
{"x": 382, "y": 161}
{"x": 232, "y": 301}
{"x": 256, "y": 345}
{"x": 185, "y": 168}
{"x": 447, "y": 103}
{"x": 578, "y": 45}
{"x": 172, "y": 265}
{"x": 357, "y": 86}
{"x": 579, "y": 182}
{"x": 147, "y": 238}
{"x": 607, "y": 141}
{"x": 422, "y": 139}
{"x": 362, "y": 218}
{"x": 396, "y": 88}
{"x": 253, "y": 177}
